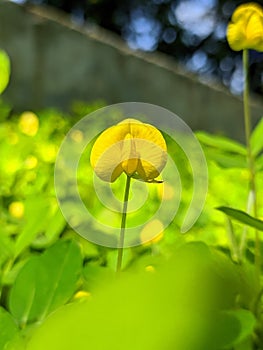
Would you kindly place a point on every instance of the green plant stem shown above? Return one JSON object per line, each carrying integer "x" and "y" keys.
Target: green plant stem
{"x": 250, "y": 157}
{"x": 123, "y": 223}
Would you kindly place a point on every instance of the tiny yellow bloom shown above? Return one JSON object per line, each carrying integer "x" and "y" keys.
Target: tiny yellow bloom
{"x": 132, "y": 147}
{"x": 245, "y": 31}
{"x": 150, "y": 268}
{"x": 82, "y": 294}
{"x": 28, "y": 123}
{"x": 147, "y": 232}
{"x": 16, "y": 209}
{"x": 31, "y": 162}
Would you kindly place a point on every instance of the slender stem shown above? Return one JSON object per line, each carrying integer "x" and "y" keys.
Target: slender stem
{"x": 250, "y": 157}
{"x": 233, "y": 241}
{"x": 123, "y": 223}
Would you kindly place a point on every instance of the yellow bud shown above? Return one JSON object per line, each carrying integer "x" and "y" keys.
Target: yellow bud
{"x": 245, "y": 31}
{"x": 28, "y": 123}
{"x": 16, "y": 209}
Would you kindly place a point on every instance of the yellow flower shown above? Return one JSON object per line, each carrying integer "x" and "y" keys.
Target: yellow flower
{"x": 147, "y": 232}
{"x": 28, "y": 123}
{"x": 245, "y": 31}
{"x": 132, "y": 147}
{"x": 16, "y": 209}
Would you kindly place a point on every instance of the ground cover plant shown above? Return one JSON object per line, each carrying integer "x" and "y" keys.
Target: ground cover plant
{"x": 198, "y": 290}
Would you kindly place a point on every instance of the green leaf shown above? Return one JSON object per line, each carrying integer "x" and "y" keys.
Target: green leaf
{"x": 226, "y": 160}
{"x": 96, "y": 276}
{"x": 63, "y": 261}
{"x": 233, "y": 327}
{"x": 36, "y": 215}
{"x": 4, "y": 70}
{"x": 257, "y": 138}
{"x": 55, "y": 226}
{"x": 242, "y": 217}
{"x": 222, "y": 143}
{"x": 8, "y": 328}
{"x": 46, "y": 282}
{"x": 259, "y": 163}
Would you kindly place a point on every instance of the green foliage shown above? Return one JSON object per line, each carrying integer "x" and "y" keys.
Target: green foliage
{"x": 59, "y": 291}
{"x": 45, "y": 282}
{"x": 4, "y": 70}
{"x": 8, "y": 328}
{"x": 242, "y": 217}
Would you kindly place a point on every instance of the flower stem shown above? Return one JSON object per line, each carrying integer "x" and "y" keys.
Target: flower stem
{"x": 250, "y": 157}
{"x": 123, "y": 223}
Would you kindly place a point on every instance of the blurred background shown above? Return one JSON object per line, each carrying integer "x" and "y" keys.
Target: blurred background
{"x": 170, "y": 53}
{"x": 191, "y": 31}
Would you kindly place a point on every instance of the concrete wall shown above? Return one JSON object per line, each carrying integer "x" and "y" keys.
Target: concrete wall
{"x": 55, "y": 62}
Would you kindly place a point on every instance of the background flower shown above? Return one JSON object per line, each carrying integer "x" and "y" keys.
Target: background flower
{"x": 246, "y": 28}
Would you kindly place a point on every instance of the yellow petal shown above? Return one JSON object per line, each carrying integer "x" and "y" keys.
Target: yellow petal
{"x": 130, "y": 146}
{"x": 246, "y": 29}
{"x": 236, "y": 37}
{"x": 129, "y": 155}
{"x": 105, "y": 157}
{"x": 254, "y": 31}
{"x": 151, "y": 148}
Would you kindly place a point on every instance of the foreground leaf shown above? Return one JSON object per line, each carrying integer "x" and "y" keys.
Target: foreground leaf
{"x": 242, "y": 217}
{"x": 4, "y": 70}
{"x": 45, "y": 282}
{"x": 233, "y": 327}
{"x": 8, "y": 328}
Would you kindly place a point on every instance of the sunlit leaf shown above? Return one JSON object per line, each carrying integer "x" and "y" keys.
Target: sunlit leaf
{"x": 226, "y": 160}
{"x": 45, "y": 282}
{"x": 36, "y": 214}
{"x": 4, "y": 70}
{"x": 8, "y": 328}
{"x": 242, "y": 217}
{"x": 220, "y": 142}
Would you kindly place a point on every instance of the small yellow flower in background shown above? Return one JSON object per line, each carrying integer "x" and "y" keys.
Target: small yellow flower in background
{"x": 166, "y": 191}
{"x": 48, "y": 152}
{"x": 150, "y": 268}
{"x": 31, "y": 162}
{"x": 132, "y": 147}
{"x": 245, "y": 31}
{"x": 147, "y": 232}
{"x": 16, "y": 209}
{"x": 28, "y": 123}
{"x": 77, "y": 136}
{"x": 81, "y": 294}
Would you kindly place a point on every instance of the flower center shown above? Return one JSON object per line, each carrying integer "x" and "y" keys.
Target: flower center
{"x": 129, "y": 155}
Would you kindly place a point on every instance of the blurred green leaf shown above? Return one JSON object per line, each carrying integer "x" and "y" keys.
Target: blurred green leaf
{"x": 257, "y": 138}
{"x": 221, "y": 142}
{"x": 242, "y": 217}
{"x": 8, "y": 328}
{"x": 46, "y": 282}
{"x": 5, "y": 110}
{"x": 36, "y": 214}
{"x": 96, "y": 276}
{"x": 4, "y": 70}
{"x": 232, "y": 327}
{"x": 171, "y": 308}
{"x": 226, "y": 160}
{"x": 55, "y": 227}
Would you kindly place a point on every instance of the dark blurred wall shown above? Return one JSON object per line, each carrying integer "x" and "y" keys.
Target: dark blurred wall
{"x": 54, "y": 62}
